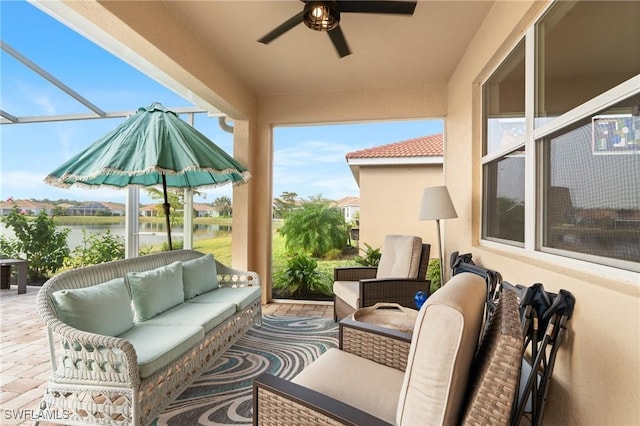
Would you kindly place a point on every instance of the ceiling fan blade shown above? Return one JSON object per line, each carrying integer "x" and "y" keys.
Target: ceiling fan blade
{"x": 339, "y": 42}
{"x": 392, "y": 7}
{"x": 283, "y": 28}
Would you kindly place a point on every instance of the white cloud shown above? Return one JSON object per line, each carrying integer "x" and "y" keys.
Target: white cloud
{"x": 301, "y": 154}
{"x": 46, "y": 104}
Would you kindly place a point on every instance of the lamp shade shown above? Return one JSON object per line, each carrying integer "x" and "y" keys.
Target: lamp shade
{"x": 436, "y": 204}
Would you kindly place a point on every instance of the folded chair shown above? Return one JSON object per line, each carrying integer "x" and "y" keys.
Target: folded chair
{"x": 446, "y": 378}
{"x": 400, "y": 274}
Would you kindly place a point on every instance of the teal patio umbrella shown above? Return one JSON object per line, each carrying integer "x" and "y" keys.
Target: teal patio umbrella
{"x": 153, "y": 147}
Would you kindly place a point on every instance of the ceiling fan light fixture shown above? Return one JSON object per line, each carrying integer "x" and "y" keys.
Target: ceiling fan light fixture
{"x": 321, "y": 15}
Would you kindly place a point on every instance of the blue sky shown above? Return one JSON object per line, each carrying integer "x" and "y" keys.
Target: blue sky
{"x": 308, "y": 160}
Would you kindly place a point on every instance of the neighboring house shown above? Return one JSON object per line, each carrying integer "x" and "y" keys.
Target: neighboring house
{"x": 116, "y": 209}
{"x": 89, "y": 209}
{"x": 150, "y": 210}
{"x": 205, "y": 210}
{"x": 30, "y": 206}
{"x": 350, "y": 208}
{"x": 391, "y": 179}
{"x": 64, "y": 207}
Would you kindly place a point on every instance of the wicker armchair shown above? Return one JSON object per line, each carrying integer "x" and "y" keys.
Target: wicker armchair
{"x": 442, "y": 376}
{"x": 361, "y": 286}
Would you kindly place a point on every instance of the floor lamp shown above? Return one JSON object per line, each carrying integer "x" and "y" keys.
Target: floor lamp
{"x": 436, "y": 205}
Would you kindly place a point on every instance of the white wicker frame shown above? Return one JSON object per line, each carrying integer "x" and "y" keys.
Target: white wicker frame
{"x": 95, "y": 379}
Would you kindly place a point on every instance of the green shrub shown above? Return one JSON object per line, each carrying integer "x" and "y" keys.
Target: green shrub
{"x": 314, "y": 228}
{"x": 371, "y": 256}
{"x": 300, "y": 278}
{"x": 37, "y": 241}
{"x": 433, "y": 274}
{"x": 96, "y": 248}
{"x": 175, "y": 245}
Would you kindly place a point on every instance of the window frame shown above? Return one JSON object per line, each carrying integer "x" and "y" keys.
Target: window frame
{"x": 534, "y": 159}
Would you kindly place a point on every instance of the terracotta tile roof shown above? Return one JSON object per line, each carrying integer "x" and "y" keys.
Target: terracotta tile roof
{"x": 113, "y": 206}
{"x": 348, "y": 201}
{"x": 425, "y": 146}
{"x": 25, "y": 204}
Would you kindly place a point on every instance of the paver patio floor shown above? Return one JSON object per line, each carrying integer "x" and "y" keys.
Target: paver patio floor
{"x": 24, "y": 351}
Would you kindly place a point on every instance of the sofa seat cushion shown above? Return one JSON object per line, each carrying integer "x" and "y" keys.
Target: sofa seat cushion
{"x": 400, "y": 257}
{"x": 156, "y": 290}
{"x": 102, "y": 309}
{"x": 348, "y": 291}
{"x": 158, "y": 346}
{"x": 206, "y": 316}
{"x": 242, "y": 297}
{"x": 371, "y": 387}
{"x": 199, "y": 276}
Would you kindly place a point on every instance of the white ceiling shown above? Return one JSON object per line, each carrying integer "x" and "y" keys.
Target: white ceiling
{"x": 387, "y": 50}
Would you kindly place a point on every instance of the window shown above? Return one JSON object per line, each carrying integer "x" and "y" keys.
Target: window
{"x": 504, "y": 152}
{"x": 504, "y": 198}
{"x": 584, "y": 116}
{"x": 504, "y": 104}
{"x": 592, "y": 185}
{"x": 584, "y": 48}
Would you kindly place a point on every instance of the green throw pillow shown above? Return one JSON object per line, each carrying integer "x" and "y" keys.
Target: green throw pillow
{"x": 199, "y": 276}
{"x": 102, "y": 309}
{"x": 156, "y": 290}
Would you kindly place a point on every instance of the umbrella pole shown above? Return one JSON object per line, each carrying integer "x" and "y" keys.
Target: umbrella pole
{"x": 167, "y": 210}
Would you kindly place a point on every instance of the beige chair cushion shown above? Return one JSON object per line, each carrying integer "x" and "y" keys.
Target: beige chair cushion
{"x": 359, "y": 382}
{"x": 444, "y": 341}
{"x": 400, "y": 257}
{"x": 348, "y": 291}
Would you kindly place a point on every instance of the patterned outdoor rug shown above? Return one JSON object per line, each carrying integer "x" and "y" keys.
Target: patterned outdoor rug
{"x": 282, "y": 346}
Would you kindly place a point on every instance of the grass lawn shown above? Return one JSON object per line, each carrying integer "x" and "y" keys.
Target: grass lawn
{"x": 220, "y": 247}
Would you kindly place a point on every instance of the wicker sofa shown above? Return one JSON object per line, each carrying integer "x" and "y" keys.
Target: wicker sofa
{"x": 127, "y": 337}
{"x": 438, "y": 376}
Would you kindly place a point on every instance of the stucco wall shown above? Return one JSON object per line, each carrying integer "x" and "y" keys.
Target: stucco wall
{"x": 390, "y": 198}
{"x": 596, "y": 379}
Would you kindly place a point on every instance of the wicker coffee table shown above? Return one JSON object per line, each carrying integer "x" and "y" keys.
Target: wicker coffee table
{"x": 388, "y": 315}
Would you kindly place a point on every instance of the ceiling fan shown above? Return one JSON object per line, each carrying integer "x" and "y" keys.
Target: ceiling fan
{"x": 325, "y": 16}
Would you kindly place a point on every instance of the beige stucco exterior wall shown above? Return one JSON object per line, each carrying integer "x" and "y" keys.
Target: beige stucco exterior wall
{"x": 596, "y": 379}
{"x": 390, "y": 198}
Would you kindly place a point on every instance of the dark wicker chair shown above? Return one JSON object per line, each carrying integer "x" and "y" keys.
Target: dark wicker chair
{"x": 489, "y": 392}
{"x": 374, "y": 290}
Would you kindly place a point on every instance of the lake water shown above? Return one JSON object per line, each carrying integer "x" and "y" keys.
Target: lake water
{"x": 150, "y": 233}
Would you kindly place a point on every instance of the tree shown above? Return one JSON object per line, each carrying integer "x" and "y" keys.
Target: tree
{"x": 37, "y": 241}
{"x": 224, "y": 206}
{"x": 314, "y": 228}
{"x": 175, "y": 196}
{"x": 285, "y": 204}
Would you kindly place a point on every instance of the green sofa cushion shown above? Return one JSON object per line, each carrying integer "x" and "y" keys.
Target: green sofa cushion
{"x": 199, "y": 276}
{"x": 241, "y": 297}
{"x": 205, "y": 315}
{"x": 156, "y": 290}
{"x": 158, "y": 346}
{"x": 102, "y": 309}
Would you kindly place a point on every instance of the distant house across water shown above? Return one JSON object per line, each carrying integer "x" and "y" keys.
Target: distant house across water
{"x": 30, "y": 206}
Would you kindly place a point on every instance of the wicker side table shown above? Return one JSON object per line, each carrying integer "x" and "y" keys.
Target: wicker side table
{"x": 388, "y": 315}
{"x": 381, "y": 333}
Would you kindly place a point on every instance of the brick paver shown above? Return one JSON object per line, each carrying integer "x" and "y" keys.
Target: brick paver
{"x": 24, "y": 351}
